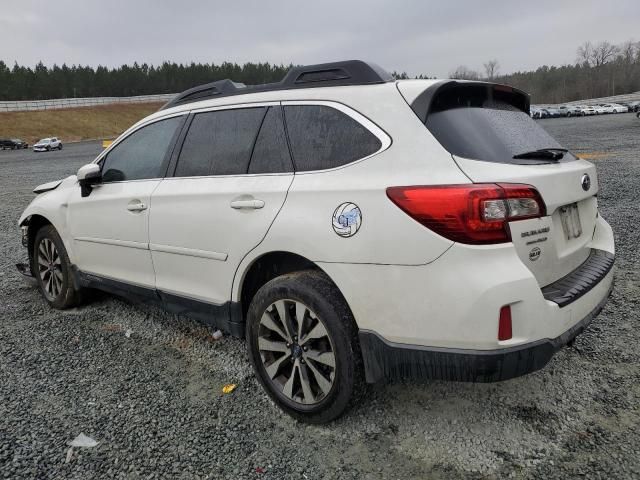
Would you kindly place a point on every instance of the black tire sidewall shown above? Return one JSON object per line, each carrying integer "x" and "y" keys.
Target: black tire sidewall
{"x": 67, "y": 296}
{"x": 315, "y": 291}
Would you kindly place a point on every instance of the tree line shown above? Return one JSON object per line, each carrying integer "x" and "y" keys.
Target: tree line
{"x": 42, "y": 82}
{"x": 600, "y": 70}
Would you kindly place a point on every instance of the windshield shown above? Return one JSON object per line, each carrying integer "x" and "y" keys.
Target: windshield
{"x": 44, "y": 140}
{"x": 494, "y": 132}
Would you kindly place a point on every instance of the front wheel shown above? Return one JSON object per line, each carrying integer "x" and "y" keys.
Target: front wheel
{"x": 303, "y": 346}
{"x": 52, "y": 268}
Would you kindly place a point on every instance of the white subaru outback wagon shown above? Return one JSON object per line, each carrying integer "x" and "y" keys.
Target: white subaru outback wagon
{"x": 351, "y": 227}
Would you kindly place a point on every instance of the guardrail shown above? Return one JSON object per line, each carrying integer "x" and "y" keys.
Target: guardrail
{"x": 28, "y": 105}
{"x": 629, "y": 97}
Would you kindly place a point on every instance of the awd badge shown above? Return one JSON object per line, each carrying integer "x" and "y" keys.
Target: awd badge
{"x": 347, "y": 219}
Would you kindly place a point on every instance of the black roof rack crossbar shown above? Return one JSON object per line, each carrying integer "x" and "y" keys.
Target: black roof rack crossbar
{"x": 350, "y": 72}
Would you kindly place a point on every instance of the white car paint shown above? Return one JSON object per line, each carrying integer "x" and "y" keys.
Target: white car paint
{"x": 47, "y": 144}
{"x": 401, "y": 280}
{"x": 615, "y": 108}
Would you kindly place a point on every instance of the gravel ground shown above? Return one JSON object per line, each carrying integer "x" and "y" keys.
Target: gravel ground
{"x": 153, "y": 399}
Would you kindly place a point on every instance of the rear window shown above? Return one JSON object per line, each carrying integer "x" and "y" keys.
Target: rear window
{"x": 486, "y": 127}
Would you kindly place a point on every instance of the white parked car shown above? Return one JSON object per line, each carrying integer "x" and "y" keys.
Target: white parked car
{"x": 603, "y": 109}
{"x": 616, "y": 108}
{"x": 587, "y": 110}
{"x": 351, "y": 227}
{"x": 47, "y": 144}
{"x": 570, "y": 110}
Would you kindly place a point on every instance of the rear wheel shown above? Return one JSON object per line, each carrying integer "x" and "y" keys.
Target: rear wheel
{"x": 52, "y": 268}
{"x": 60, "y": 147}
{"x": 303, "y": 346}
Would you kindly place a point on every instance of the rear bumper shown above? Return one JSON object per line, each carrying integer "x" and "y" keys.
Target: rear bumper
{"x": 388, "y": 360}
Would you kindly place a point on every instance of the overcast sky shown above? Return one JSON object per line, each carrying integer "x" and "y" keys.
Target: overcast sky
{"x": 417, "y": 36}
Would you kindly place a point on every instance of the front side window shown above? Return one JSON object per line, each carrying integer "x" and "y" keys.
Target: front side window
{"x": 142, "y": 154}
{"x": 220, "y": 142}
{"x": 322, "y": 137}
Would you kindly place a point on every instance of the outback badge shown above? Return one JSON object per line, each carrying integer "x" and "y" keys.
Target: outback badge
{"x": 347, "y": 219}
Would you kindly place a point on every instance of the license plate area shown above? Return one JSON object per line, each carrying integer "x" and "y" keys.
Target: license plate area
{"x": 570, "y": 218}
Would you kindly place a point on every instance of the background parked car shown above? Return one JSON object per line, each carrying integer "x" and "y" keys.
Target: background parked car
{"x": 616, "y": 108}
{"x": 554, "y": 112}
{"x": 47, "y": 144}
{"x": 569, "y": 110}
{"x": 587, "y": 110}
{"x": 535, "y": 112}
{"x": 13, "y": 144}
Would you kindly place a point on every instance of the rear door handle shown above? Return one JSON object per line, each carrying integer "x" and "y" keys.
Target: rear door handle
{"x": 247, "y": 204}
{"x": 136, "y": 206}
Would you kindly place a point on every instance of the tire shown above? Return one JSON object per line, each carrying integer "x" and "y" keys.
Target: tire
{"x": 60, "y": 147}
{"x": 329, "y": 390}
{"x": 57, "y": 286}
{"x": 48, "y": 148}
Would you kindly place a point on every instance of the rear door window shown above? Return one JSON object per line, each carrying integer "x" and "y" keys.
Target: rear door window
{"x": 271, "y": 153}
{"x": 323, "y": 137}
{"x": 220, "y": 142}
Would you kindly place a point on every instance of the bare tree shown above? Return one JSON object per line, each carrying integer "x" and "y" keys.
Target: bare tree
{"x": 603, "y": 53}
{"x": 463, "y": 72}
{"x": 628, "y": 51}
{"x": 585, "y": 52}
{"x": 491, "y": 69}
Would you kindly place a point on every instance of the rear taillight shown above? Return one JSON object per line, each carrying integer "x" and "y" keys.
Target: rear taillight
{"x": 475, "y": 213}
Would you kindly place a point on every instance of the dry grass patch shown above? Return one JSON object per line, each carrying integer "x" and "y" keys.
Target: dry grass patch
{"x": 74, "y": 124}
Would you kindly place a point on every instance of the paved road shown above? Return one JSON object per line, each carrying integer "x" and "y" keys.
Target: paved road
{"x": 153, "y": 400}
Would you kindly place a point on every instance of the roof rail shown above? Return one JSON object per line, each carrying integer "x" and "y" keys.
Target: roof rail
{"x": 350, "y": 72}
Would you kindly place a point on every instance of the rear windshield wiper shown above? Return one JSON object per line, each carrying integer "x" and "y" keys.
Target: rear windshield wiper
{"x": 544, "y": 153}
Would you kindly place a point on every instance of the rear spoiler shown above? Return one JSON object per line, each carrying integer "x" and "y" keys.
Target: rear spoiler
{"x": 449, "y": 94}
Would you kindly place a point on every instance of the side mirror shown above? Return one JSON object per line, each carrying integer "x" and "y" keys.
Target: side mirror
{"x": 88, "y": 176}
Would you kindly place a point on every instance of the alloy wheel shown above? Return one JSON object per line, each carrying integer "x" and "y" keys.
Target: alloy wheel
{"x": 296, "y": 352}
{"x": 50, "y": 268}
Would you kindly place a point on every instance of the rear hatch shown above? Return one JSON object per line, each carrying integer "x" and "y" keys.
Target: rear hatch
{"x": 490, "y": 135}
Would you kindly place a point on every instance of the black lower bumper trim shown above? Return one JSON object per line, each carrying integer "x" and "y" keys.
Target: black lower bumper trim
{"x": 577, "y": 283}
{"x": 388, "y": 360}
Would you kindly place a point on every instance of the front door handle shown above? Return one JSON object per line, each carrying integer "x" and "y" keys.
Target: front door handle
{"x": 136, "y": 206}
{"x": 247, "y": 204}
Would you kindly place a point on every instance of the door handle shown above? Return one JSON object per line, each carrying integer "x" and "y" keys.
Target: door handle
{"x": 247, "y": 204}
{"x": 136, "y": 206}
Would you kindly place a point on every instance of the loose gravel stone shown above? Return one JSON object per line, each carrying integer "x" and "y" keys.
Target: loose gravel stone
{"x": 153, "y": 400}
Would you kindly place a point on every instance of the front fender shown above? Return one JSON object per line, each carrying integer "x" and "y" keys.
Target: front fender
{"x": 52, "y": 206}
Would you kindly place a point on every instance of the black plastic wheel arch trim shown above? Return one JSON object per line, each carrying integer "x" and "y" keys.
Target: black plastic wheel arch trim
{"x": 391, "y": 361}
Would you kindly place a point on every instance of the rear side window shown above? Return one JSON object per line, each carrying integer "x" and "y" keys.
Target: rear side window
{"x": 476, "y": 123}
{"x": 271, "y": 153}
{"x": 322, "y": 137}
{"x": 142, "y": 154}
{"x": 220, "y": 142}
